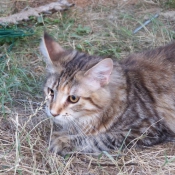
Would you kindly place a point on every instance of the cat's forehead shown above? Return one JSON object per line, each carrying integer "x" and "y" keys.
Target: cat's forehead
{"x": 77, "y": 62}
{"x": 68, "y": 86}
{"x": 60, "y": 83}
{"x": 52, "y": 80}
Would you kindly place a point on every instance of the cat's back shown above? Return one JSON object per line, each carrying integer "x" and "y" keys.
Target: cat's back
{"x": 155, "y": 59}
{"x": 152, "y": 67}
{"x": 151, "y": 76}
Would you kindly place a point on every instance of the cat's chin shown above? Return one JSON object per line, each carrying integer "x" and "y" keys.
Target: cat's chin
{"x": 59, "y": 120}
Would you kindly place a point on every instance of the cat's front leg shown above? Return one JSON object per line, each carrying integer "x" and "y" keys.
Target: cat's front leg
{"x": 63, "y": 144}
{"x": 60, "y": 143}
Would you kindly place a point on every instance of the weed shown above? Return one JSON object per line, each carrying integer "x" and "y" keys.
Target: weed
{"x": 168, "y": 4}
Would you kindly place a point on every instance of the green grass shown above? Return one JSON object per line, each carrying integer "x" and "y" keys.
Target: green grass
{"x": 169, "y": 4}
{"x": 15, "y": 79}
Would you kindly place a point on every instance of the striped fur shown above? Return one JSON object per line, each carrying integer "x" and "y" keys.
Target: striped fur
{"x": 132, "y": 105}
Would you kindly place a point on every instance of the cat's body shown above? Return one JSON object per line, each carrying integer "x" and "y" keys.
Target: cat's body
{"x": 103, "y": 104}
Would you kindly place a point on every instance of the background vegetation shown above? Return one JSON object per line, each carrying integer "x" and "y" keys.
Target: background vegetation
{"x": 98, "y": 27}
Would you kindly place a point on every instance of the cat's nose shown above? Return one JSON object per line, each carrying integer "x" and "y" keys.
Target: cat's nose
{"x": 54, "y": 114}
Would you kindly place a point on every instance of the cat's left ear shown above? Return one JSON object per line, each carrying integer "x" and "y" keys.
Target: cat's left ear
{"x": 99, "y": 75}
{"x": 51, "y": 51}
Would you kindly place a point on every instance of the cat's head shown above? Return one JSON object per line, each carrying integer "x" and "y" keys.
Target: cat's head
{"x": 77, "y": 85}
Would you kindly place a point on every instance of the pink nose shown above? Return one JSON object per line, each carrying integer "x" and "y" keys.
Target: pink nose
{"x": 54, "y": 114}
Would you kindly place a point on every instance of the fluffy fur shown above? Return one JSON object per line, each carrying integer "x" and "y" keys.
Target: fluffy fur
{"x": 103, "y": 104}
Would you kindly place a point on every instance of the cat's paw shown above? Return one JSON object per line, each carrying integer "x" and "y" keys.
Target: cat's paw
{"x": 60, "y": 144}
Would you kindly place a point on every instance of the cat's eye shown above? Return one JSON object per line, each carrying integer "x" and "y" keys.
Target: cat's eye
{"x": 73, "y": 99}
{"x": 51, "y": 92}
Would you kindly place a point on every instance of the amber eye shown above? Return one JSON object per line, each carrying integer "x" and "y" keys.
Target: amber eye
{"x": 51, "y": 92}
{"x": 73, "y": 99}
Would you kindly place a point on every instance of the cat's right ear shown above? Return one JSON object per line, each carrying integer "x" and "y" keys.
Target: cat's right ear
{"x": 51, "y": 51}
{"x": 99, "y": 75}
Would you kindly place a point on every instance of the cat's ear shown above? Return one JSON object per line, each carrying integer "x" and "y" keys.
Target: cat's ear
{"x": 99, "y": 75}
{"x": 51, "y": 51}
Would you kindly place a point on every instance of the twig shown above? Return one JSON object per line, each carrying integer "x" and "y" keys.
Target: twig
{"x": 145, "y": 23}
{"x": 25, "y": 14}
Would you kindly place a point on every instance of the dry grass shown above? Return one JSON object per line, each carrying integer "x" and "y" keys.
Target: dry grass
{"x": 101, "y": 28}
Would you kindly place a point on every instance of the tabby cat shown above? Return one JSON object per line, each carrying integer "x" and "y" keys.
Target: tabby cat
{"x": 103, "y": 104}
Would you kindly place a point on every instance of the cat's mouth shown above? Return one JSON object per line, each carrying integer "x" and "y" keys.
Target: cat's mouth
{"x": 60, "y": 118}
